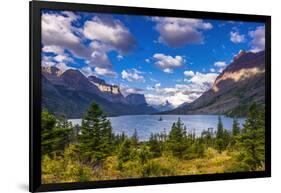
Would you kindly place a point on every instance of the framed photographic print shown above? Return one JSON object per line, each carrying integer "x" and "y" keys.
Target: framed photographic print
{"x": 126, "y": 96}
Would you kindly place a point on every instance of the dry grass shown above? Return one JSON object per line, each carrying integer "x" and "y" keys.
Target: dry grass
{"x": 213, "y": 162}
{"x": 166, "y": 165}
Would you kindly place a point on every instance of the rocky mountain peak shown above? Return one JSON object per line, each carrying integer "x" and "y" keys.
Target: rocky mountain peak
{"x": 96, "y": 80}
{"x": 244, "y": 66}
{"x": 240, "y": 54}
{"x": 103, "y": 86}
{"x": 234, "y": 90}
{"x": 136, "y": 99}
{"x": 76, "y": 80}
{"x": 52, "y": 70}
{"x": 167, "y": 103}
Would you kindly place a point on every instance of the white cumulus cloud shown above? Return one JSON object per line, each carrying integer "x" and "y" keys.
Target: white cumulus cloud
{"x": 53, "y": 49}
{"x": 204, "y": 81}
{"x": 57, "y": 30}
{"x": 220, "y": 64}
{"x": 193, "y": 88}
{"x": 167, "y": 63}
{"x": 236, "y": 38}
{"x": 105, "y": 72}
{"x": 178, "y": 32}
{"x": 100, "y": 59}
{"x": 188, "y": 73}
{"x": 111, "y": 32}
{"x": 258, "y": 39}
{"x": 132, "y": 75}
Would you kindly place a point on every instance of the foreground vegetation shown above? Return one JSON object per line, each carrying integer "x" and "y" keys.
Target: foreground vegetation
{"x": 92, "y": 152}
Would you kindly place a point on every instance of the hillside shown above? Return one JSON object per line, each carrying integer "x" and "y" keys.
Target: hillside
{"x": 70, "y": 93}
{"x": 234, "y": 90}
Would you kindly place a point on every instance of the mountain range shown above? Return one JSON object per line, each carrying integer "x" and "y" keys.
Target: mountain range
{"x": 70, "y": 93}
{"x": 240, "y": 84}
{"x": 164, "y": 107}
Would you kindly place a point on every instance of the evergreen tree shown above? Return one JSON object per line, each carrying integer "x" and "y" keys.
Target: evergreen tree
{"x": 235, "y": 134}
{"x": 143, "y": 156}
{"x": 119, "y": 138}
{"x": 199, "y": 148}
{"x": 55, "y": 134}
{"x": 253, "y": 138}
{"x": 207, "y": 137}
{"x": 222, "y": 137}
{"x": 135, "y": 138}
{"x": 177, "y": 139}
{"x": 124, "y": 152}
{"x": 235, "y": 127}
{"x": 154, "y": 145}
{"x": 219, "y": 128}
{"x": 177, "y": 132}
{"x": 95, "y": 140}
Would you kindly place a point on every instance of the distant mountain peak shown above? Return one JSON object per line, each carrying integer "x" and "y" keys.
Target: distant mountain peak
{"x": 165, "y": 106}
{"x": 52, "y": 70}
{"x": 240, "y": 54}
{"x": 73, "y": 72}
{"x": 136, "y": 99}
{"x": 96, "y": 79}
{"x": 167, "y": 103}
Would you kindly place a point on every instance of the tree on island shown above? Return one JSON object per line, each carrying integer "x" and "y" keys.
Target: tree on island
{"x": 95, "y": 140}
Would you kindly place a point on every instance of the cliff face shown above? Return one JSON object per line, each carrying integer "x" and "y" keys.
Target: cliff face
{"x": 234, "y": 90}
{"x": 136, "y": 99}
{"x": 103, "y": 87}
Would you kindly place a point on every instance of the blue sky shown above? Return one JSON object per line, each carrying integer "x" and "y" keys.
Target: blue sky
{"x": 172, "y": 59}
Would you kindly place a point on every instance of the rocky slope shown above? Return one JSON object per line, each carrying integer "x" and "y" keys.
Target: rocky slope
{"x": 234, "y": 90}
{"x": 70, "y": 93}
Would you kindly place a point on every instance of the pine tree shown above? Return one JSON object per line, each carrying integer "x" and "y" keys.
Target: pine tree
{"x": 198, "y": 148}
{"x": 144, "y": 154}
{"x": 253, "y": 138}
{"x": 154, "y": 145}
{"x": 177, "y": 132}
{"x": 56, "y": 134}
{"x": 135, "y": 138}
{"x": 222, "y": 137}
{"x": 177, "y": 139}
{"x": 207, "y": 137}
{"x": 234, "y": 134}
{"x": 95, "y": 140}
{"x": 125, "y": 151}
{"x": 219, "y": 128}
{"x": 48, "y": 122}
{"x": 235, "y": 127}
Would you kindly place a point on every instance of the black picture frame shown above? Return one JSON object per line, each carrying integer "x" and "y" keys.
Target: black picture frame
{"x": 35, "y": 184}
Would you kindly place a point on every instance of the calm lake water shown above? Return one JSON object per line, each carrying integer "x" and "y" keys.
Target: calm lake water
{"x": 147, "y": 124}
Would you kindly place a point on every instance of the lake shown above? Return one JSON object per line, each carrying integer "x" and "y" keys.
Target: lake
{"x": 147, "y": 124}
